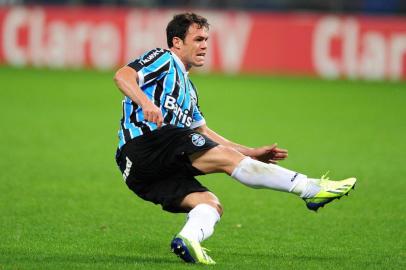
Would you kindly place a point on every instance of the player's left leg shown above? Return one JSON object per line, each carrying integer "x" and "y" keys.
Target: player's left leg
{"x": 253, "y": 173}
{"x": 256, "y": 174}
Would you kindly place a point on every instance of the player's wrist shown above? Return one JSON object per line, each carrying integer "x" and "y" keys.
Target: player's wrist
{"x": 145, "y": 102}
{"x": 247, "y": 151}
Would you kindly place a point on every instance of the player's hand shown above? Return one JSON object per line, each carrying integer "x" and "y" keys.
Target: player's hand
{"x": 269, "y": 154}
{"x": 152, "y": 113}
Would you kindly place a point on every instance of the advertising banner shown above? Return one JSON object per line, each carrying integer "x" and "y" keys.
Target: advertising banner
{"x": 285, "y": 43}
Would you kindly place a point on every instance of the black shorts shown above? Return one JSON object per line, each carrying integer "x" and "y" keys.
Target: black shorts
{"x": 156, "y": 166}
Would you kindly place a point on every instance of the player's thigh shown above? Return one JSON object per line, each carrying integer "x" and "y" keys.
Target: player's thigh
{"x": 217, "y": 159}
{"x": 193, "y": 199}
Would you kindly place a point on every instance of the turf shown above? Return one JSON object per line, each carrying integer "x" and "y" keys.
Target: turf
{"x": 63, "y": 204}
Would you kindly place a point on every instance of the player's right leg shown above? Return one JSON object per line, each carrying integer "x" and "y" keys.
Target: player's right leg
{"x": 256, "y": 174}
{"x": 204, "y": 211}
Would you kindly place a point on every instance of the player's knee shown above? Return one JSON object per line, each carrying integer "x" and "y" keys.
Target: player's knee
{"x": 219, "y": 208}
{"x": 216, "y": 205}
{"x": 214, "y": 202}
{"x": 196, "y": 198}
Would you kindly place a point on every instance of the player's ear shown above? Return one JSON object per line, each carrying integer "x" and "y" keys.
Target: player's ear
{"x": 177, "y": 42}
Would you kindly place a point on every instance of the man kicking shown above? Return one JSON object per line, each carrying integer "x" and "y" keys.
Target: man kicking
{"x": 164, "y": 142}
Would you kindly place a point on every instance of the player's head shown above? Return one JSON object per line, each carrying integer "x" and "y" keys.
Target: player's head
{"x": 187, "y": 35}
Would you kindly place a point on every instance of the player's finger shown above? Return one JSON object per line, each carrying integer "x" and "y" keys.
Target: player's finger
{"x": 270, "y": 148}
{"x": 156, "y": 118}
{"x": 147, "y": 116}
{"x": 279, "y": 158}
{"x": 280, "y": 150}
{"x": 151, "y": 117}
{"x": 281, "y": 155}
{"x": 159, "y": 121}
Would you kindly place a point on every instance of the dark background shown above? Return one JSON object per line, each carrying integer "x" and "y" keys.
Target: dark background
{"x": 389, "y": 7}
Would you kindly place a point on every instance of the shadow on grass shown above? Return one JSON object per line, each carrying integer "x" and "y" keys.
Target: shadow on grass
{"x": 81, "y": 259}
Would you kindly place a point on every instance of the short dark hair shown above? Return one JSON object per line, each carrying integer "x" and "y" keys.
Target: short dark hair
{"x": 180, "y": 24}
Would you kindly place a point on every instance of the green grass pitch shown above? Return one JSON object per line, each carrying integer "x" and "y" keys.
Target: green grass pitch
{"x": 63, "y": 203}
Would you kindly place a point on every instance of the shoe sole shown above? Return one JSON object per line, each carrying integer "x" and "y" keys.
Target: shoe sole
{"x": 180, "y": 249}
{"x": 316, "y": 206}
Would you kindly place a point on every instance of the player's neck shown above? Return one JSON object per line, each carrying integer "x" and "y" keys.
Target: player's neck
{"x": 179, "y": 59}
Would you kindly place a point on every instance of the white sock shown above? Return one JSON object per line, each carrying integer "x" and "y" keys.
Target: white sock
{"x": 257, "y": 174}
{"x": 200, "y": 223}
{"x": 307, "y": 189}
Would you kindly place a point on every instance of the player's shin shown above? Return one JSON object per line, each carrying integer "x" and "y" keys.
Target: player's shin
{"x": 200, "y": 223}
{"x": 257, "y": 174}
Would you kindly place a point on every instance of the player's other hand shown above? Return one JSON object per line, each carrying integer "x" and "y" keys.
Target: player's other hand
{"x": 269, "y": 154}
{"x": 152, "y": 113}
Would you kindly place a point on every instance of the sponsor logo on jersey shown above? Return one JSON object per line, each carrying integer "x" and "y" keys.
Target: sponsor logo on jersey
{"x": 198, "y": 139}
{"x": 151, "y": 56}
{"x": 182, "y": 115}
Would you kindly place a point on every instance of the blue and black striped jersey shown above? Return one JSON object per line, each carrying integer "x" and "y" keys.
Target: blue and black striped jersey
{"x": 164, "y": 80}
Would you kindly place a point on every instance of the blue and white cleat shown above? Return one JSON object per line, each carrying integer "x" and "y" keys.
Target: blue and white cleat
{"x": 330, "y": 190}
{"x": 190, "y": 251}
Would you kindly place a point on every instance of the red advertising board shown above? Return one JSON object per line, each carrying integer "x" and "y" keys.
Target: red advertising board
{"x": 300, "y": 43}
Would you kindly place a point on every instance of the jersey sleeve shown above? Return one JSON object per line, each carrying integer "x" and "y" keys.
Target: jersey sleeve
{"x": 151, "y": 66}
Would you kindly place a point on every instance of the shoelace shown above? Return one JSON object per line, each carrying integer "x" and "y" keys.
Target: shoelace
{"x": 206, "y": 256}
{"x": 325, "y": 177}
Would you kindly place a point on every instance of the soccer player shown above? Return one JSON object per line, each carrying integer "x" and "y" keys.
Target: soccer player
{"x": 164, "y": 142}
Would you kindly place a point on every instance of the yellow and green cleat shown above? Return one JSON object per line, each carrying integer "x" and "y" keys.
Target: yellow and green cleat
{"x": 330, "y": 190}
{"x": 190, "y": 251}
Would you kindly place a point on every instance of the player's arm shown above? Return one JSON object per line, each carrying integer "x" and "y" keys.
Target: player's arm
{"x": 126, "y": 79}
{"x": 268, "y": 154}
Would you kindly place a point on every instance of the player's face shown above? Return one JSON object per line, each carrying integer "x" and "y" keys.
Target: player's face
{"x": 194, "y": 48}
